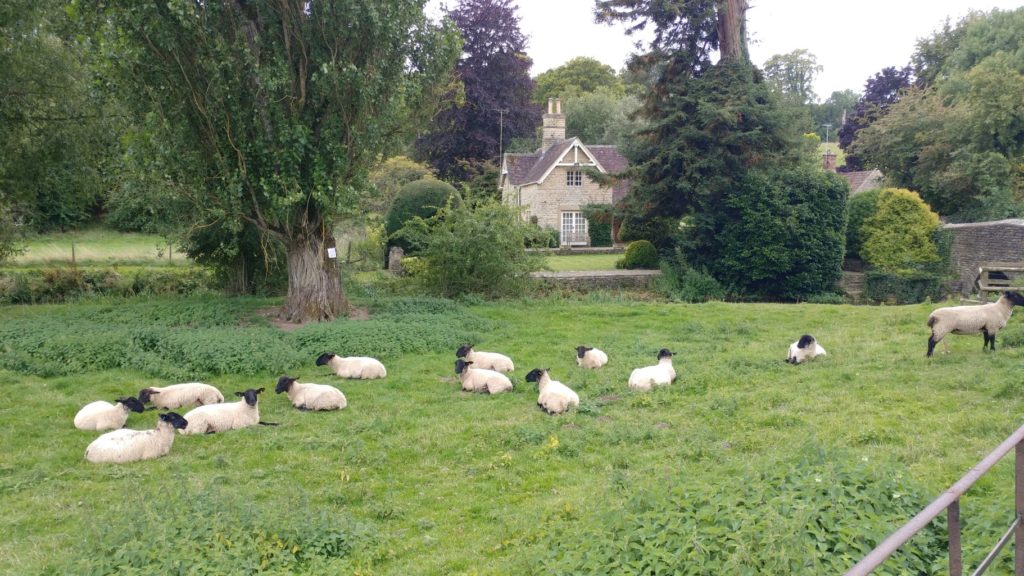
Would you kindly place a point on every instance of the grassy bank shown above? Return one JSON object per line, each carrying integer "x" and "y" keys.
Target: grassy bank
{"x": 744, "y": 465}
{"x": 98, "y": 246}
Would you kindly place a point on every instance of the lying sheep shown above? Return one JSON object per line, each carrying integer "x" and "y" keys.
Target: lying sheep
{"x": 357, "y": 367}
{"x": 481, "y": 380}
{"x": 179, "y": 395}
{"x": 101, "y": 415}
{"x": 226, "y": 416}
{"x": 311, "y": 396}
{"x": 127, "y": 445}
{"x": 988, "y": 319}
{"x": 485, "y": 360}
{"x": 555, "y": 397}
{"x": 660, "y": 374}
{"x": 806, "y": 348}
{"x": 590, "y": 357}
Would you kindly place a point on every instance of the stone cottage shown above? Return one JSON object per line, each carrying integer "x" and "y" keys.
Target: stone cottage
{"x": 550, "y": 184}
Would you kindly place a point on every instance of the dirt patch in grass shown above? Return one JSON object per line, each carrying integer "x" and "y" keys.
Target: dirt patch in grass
{"x": 608, "y": 399}
{"x": 271, "y": 314}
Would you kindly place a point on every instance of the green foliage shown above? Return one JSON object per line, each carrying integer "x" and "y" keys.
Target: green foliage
{"x": 581, "y": 75}
{"x": 419, "y": 199}
{"x": 599, "y": 223}
{"x": 859, "y": 208}
{"x": 793, "y": 75}
{"x": 538, "y": 237}
{"x": 776, "y": 235}
{"x": 62, "y": 284}
{"x": 639, "y": 254}
{"x": 389, "y": 178}
{"x": 602, "y": 117}
{"x": 683, "y": 282}
{"x": 816, "y": 515}
{"x": 905, "y": 287}
{"x": 200, "y": 338}
{"x": 900, "y": 235}
{"x": 477, "y": 249}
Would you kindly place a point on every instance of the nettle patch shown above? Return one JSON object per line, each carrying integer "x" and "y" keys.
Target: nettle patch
{"x": 816, "y": 515}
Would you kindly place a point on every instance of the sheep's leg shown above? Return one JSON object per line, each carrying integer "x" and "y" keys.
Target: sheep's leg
{"x": 931, "y": 345}
{"x": 990, "y": 340}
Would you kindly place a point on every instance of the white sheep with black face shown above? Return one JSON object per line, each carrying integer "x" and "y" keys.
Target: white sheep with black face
{"x": 590, "y": 357}
{"x": 806, "y": 348}
{"x": 988, "y": 319}
{"x": 485, "y": 360}
{"x": 311, "y": 396}
{"x": 180, "y": 395}
{"x": 102, "y": 415}
{"x": 126, "y": 445}
{"x": 355, "y": 367}
{"x": 554, "y": 397}
{"x": 660, "y": 374}
{"x": 481, "y": 380}
{"x": 225, "y": 416}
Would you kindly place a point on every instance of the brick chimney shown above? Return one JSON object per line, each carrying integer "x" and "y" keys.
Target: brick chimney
{"x": 828, "y": 161}
{"x": 554, "y": 124}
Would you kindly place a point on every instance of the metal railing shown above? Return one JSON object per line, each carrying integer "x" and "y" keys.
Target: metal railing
{"x": 949, "y": 501}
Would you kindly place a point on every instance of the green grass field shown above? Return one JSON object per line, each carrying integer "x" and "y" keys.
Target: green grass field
{"x": 744, "y": 465}
{"x": 98, "y": 246}
{"x": 582, "y": 262}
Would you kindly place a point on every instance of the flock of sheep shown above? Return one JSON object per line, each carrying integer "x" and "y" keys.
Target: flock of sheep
{"x": 478, "y": 371}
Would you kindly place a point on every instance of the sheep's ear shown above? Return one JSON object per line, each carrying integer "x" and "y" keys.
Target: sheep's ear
{"x": 239, "y": 394}
{"x": 259, "y": 390}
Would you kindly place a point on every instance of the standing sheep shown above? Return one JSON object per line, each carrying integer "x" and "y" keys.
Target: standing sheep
{"x": 988, "y": 319}
{"x": 660, "y": 374}
{"x": 127, "y": 445}
{"x": 555, "y": 397}
{"x": 179, "y": 395}
{"x": 101, "y": 415}
{"x": 806, "y": 348}
{"x": 590, "y": 357}
{"x": 356, "y": 367}
{"x": 481, "y": 380}
{"x": 226, "y": 416}
{"x": 485, "y": 360}
{"x": 311, "y": 396}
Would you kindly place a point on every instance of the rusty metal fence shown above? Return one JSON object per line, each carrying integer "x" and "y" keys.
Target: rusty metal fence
{"x": 949, "y": 502}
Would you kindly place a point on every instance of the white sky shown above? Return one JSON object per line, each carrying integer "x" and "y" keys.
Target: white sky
{"x": 851, "y": 41}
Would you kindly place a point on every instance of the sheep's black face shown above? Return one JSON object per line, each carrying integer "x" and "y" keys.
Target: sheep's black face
{"x": 461, "y": 365}
{"x": 174, "y": 419}
{"x": 1015, "y": 298}
{"x": 250, "y": 395}
{"x": 534, "y": 375}
{"x": 581, "y": 350}
{"x": 805, "y": 341}
{"x": 283, "y": 384}
{"x": 664, "y": 353}
{"x": 463, "y": 350}
{"x": 133, "y": 404}
{"x": 145, "y": 394}
{"x": 324, "y": 359}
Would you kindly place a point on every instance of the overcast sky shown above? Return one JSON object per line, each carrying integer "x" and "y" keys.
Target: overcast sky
{"x": 851, "y": 41}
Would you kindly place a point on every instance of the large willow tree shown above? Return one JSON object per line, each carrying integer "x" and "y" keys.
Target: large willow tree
{"x": 276, "y": 110}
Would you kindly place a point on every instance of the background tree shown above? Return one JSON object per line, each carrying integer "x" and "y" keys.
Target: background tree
{"x": 832, "y": 112}
{"x": 277, "y": 111}
{"x": 793, "y": 75}
{"x": 880, "y": 93}
{"x": 577, "y": 76}
{"x": 495, "y": 74}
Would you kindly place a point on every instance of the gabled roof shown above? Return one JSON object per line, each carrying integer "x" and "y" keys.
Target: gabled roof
{"x": 523, "y": 169}
{"x": 863, "y": 180}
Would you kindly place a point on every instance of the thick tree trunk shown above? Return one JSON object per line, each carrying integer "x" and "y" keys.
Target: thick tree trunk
{"x": 732, "y": 40}
{"x": 314, "y": 285}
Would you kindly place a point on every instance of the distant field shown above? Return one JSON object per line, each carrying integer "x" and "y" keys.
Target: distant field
{"x": 99, "y": 246}
{"x": 582, "y": 262}
{"x": 835, "y": 149}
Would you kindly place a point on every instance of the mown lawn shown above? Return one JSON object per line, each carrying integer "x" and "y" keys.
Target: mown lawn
{"x": 416, "y": 477}
{"x": 582, "y": 262}
{"x": 99, "y": 246}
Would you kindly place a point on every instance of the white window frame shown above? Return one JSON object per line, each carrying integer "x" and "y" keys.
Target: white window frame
{"x": 574, "y": 178}
{"x": 573, "y": 229}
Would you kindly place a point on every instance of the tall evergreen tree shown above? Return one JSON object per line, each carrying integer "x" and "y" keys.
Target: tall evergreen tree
{"x": 495, "y": 75}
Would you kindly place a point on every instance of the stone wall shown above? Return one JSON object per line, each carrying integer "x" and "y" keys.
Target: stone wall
{"x": 600, "y": 279}
{"x": 978, "y": 243}
{"x": 548, "y": 203}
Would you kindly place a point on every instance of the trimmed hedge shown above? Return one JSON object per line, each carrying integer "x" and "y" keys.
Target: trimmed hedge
{"x": 51, "y": 285}
{"x": 599, "y": 223}
{"x": 639, "y": 254}
{"x": 904, "y": 288}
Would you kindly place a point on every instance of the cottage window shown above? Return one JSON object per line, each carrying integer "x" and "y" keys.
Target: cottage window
{"x": 574, "y": 178}
{"x": 574, "y": 229}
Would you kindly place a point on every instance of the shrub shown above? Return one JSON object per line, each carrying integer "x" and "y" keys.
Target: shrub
{"x": 859, "y": 209}
{"x": 900, "y": 236}
{"x": 391, "y": 176}
{"x": 538, "y": 237}
{"x": 816, "y": 515}
{"x": 908, "y": 287}
{"x": 639, "y": 254}
{"x": 422, "y": 198}
{"x": 474, "y": 250}
{"x": 599, "y": 223}
{"x": 63, "y": 284}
